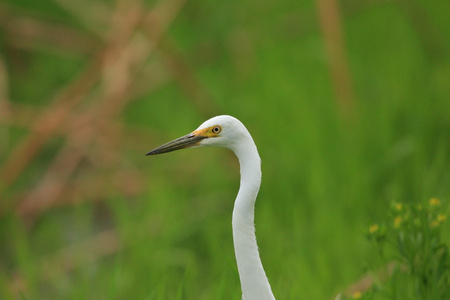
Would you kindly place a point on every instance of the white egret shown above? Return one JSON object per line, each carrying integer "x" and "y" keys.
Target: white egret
{"x": 229, "y": 132}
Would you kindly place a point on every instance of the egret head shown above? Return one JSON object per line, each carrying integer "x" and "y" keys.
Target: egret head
{"x": 220, "y": 131}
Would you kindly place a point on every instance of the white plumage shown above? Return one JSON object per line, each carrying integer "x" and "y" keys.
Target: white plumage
{"x": 229, "y": 132}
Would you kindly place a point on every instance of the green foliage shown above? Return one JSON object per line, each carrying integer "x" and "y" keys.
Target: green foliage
{"x": 415, "y": 257}
{"x": 325, "y": 176}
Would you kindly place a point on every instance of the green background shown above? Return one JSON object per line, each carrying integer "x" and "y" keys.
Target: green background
{"x": 340, "y": 137}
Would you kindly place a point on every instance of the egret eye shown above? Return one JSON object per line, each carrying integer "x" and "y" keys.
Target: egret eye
{"x": 216, "y": 129}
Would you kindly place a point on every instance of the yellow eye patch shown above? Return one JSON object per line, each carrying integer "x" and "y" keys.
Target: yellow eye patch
{"x": 212, "y": 131}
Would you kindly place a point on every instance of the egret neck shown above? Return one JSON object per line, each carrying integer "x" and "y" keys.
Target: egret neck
{"x": 254, "y": 282}
{"x": 229, "y": 132}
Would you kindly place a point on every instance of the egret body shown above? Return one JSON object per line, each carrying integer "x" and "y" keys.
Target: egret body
{"x": 229, "y": 132}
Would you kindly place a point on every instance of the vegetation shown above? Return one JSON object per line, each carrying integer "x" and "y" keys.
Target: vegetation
{"x": 348, "y": 105}
{"x": 415, "y": 258}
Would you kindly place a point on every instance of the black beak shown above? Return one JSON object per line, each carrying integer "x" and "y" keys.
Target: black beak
{"x": 187, "y": 141}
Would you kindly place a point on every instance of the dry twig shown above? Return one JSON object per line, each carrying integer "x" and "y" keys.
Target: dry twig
{"x": 330, "y": 21}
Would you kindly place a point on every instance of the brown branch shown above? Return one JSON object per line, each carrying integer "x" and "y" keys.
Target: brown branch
{"x": 157, "y": 22}
{"x": 330, "y": 21}
{"x": 116, "y": 81}
{"x": 26, "y": 32}
{"x": 52, "y": 183}
{"x": 93, "y": 15}
{"x": 146, "y": 81}
{"x": 47, "y": 123}
{"x": 119, "y": 59}
{"x": 369, "y": 280}
{"x": 5, "y": 105}
{"x": 18, "y": 114}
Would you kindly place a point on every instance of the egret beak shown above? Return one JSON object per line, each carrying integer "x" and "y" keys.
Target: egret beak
{"x": 190, "y": 140}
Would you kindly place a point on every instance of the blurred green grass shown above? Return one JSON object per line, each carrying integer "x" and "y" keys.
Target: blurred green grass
{"x": 325, "y": 180}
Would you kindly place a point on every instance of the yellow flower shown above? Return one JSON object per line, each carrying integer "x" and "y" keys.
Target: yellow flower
{"x": 397, "y": 222}
{"x": 356, "y": 295}
{"x": 434, "y": 201}
{"x": 434, "y": 224}
{"x": 398, "y": 206}
{"x": 374, "y": 228}
{"x": 441, "y": 218}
